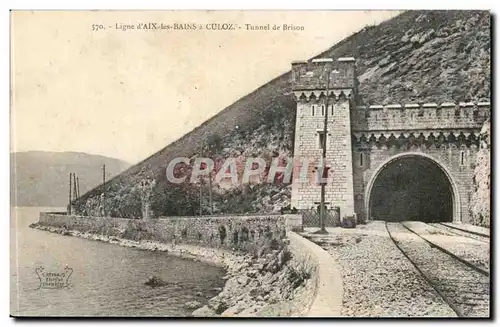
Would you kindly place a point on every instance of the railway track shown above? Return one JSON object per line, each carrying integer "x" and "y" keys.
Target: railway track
{"x": 463, "y": 232}
{"x": 463, "y": 286}
{"x": 480, "y": 269}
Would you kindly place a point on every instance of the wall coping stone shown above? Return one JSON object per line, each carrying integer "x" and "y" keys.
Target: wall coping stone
{"x": 327, "y": 301}
{"x": 430, "y": 105}
{"x": 322, "y": 60}
{"x": 346, "y": 59}
{"x": 425, "y": 105}
{"x": 291, "y": 217}
{"x": 225, "y": 217}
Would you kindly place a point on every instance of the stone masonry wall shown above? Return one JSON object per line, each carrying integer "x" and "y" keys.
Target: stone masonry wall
{"x": 429, "y": 116}
{"x": 216, "y": 232}
{"x": 339, "y": 190}
{"x": 447, "y": 156}
{"x": 309, "y": 86}
{"x": 312, "y": 75}
{"x": 354, "y": 165}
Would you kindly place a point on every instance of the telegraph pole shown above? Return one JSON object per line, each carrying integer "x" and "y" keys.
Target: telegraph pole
{"x": 69, "y": 202}
{"x": 75, "y": 193}
{"x": 201, "y": 184}
{"x": 210, "y": 192}
{"x": 325, "y": 131}
{"x": 104, "y": 190}
{"x": 78, "y": 187}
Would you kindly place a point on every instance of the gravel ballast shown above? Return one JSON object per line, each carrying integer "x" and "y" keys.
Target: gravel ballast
{"x": 464, "y": 233}
{"x": 466, "y": 289}
{"x": 469, "y": 249}
{"x": 378, "y": 281}
{"x": 470, "y": 228}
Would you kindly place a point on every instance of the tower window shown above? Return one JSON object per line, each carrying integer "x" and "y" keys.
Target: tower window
{"x": 322, "y": 110}
{"x": 321, "y": 139}
{"x": 312, "y": 110}
{"x": 361, "y": 159}
{"x": 462, "y": 157}
{"x": 332, "y": 110}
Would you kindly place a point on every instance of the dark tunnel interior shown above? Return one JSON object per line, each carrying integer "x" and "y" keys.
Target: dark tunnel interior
{"x": 412, "y": 188}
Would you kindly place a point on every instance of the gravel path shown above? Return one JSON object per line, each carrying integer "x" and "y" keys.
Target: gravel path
{"x": 472, "y": 250}
{"x": 378, "y": 280}
{"x": 467, "y": 289}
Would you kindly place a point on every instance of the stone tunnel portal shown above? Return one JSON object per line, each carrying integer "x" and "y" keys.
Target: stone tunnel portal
{"x": 411, "y": 188}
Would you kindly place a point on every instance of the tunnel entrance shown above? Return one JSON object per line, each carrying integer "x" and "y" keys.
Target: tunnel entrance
{"x": 411, "y": 188}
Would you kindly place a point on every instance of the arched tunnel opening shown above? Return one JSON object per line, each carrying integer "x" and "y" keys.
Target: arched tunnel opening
{"x": 412, "y": 188}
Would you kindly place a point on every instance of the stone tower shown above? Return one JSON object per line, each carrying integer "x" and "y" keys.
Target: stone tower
{"x": 309, "y": 85}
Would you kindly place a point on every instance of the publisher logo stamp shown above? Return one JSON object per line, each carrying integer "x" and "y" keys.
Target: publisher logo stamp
{"x": 53, "y": 279}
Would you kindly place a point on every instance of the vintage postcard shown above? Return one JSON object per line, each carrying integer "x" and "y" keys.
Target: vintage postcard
{"x": 250, "y": 164}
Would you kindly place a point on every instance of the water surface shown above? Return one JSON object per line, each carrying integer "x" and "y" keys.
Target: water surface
{"x": 107, "y": 279}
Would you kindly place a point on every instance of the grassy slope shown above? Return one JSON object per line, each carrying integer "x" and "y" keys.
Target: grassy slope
{"x": 415, "y": 57}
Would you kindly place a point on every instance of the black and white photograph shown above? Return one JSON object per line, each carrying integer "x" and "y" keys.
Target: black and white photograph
{"x": 250, "y": 163}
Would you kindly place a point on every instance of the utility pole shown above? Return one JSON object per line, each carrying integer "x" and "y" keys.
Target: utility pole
{"x": 201, "y": 185}
{"x": 75, "y": 193}
{"x": 210, "y": 192}
{"x": 69, "y": 202}
{"x": 213, "y": 150}
{"x": 322, "y": 212}
{"x": 78, "y": 187}
{"x": 104, "y": 190}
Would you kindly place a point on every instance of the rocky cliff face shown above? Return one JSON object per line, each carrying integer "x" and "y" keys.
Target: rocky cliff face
{"x": 426, "y": 57}
{"x": 418, "y": 56}
{"x": 480, "y": 201}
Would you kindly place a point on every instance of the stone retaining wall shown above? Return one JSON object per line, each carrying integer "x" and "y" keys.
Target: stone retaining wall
{"x": 219, "y": 232}
{"x": 322, "y": 295}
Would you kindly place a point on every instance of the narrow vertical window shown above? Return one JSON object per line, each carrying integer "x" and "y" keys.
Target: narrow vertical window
{"x": 313, "y": 110}
{"x": 462, "y": 157}
{"x": 321, "y": 140}
{"x": 361, "y": 159}
{"x": 332, "y": 110}
{"x": 322, "y": 110}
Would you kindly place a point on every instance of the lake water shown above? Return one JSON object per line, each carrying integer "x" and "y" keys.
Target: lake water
{"x": 107, "y": 280}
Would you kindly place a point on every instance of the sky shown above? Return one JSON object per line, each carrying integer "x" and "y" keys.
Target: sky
{"x": 128, "y": 93}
